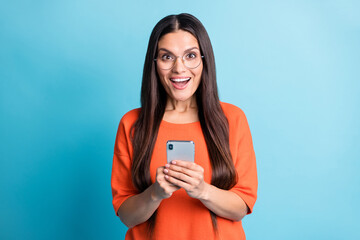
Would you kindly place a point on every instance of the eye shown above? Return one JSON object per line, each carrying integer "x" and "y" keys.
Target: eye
{"x": 191, "y": 55}
{"x": 167, "y": 57}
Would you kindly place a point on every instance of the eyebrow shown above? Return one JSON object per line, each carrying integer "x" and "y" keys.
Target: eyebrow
{"x": 187, "y": 50}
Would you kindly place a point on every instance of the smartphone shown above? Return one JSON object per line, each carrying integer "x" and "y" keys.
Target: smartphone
{"x": 180, "y": 150}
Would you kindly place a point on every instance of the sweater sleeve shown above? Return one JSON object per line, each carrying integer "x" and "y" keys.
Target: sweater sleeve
{"x": 121, "y": 182}
{"x": 244, "y": 160}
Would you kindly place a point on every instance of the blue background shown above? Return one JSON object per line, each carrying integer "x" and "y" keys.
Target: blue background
{"x": 69, "y": 70}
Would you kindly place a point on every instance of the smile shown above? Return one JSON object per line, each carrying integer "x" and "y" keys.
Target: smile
{"x": 180, "y": 83}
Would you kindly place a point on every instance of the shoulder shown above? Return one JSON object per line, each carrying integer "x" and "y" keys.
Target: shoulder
{"x": 239, "y": 130}
{"x": 232, "y": 112}
{"x": 130, "y": 118}
{"x": 125, "y": 125}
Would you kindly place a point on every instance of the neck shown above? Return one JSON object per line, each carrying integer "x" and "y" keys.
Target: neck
{"x": 181, "y": 106}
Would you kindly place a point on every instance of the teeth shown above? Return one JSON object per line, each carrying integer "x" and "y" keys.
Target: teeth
{"x": 179, "y": 79}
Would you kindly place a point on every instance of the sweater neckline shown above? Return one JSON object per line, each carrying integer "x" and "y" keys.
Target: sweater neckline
{"x": 179, "y": 124}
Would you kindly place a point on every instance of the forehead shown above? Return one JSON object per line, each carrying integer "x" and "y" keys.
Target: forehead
{"x": 178, "y": 41}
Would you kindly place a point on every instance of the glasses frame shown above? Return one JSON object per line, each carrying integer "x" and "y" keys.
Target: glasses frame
{"x": 183, "y": 62}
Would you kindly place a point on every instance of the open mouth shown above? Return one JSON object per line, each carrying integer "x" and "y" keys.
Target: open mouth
{"x": 180, "y": 83}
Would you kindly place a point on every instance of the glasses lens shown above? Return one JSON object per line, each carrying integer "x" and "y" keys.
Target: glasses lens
{"x": 192, "y": 59}
{"x": 166, "y": 61}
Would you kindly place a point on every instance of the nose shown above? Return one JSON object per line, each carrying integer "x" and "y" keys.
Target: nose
{"x": 179, "y": 65}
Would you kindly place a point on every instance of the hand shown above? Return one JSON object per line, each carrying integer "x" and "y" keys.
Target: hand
{"x": 161, "y": 188}
{"x": 187, "y": 175}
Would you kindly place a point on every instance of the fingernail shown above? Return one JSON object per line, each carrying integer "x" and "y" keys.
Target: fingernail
{"x": 173, "y": 162}
{"x": 167, "y": 165}
{"x": 166, "y": 171}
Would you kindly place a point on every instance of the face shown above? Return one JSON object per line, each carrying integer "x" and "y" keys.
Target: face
{"x": 180, "y": 82}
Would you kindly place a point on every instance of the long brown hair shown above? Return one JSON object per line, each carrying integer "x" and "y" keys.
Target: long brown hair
{"x": 213, "y": 122}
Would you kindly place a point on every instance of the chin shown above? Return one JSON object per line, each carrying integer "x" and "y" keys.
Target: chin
{"x": 181, "y": 98}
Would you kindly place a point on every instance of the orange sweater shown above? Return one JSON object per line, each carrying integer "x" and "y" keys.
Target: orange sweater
{"x": 180, "y": 216}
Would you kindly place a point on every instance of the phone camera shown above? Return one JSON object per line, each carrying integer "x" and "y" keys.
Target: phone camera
{"x": 171, "y": 146}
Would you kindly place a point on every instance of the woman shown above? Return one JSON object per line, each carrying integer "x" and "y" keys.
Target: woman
{"x": 179, "y": 101}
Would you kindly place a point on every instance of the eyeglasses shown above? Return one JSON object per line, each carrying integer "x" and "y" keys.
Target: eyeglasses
{"x": 167, "y": 60}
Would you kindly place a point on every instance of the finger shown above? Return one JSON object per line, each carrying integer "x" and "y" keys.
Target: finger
{"x": 177, "y": 182}
{"x": 166, "y": 193}
{"x": 171, "y": 185}
{"x": 179, "y": 169}
{"x": 159, "y": 171}
{"x": 165, "y": 184}
{"x": 190, "y": 165}
{"x": 163, "y": 181}
{"x": 168, "y": 186}
{"x": 179, "y": 175}
{"x": 198, "y": 173}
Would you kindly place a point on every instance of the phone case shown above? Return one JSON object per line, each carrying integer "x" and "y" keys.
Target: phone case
{"x": 180, "y": 150}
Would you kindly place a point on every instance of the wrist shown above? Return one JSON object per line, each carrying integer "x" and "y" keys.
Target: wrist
{"x": 153, "y": 196}
{"x": 205, "y": 196}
